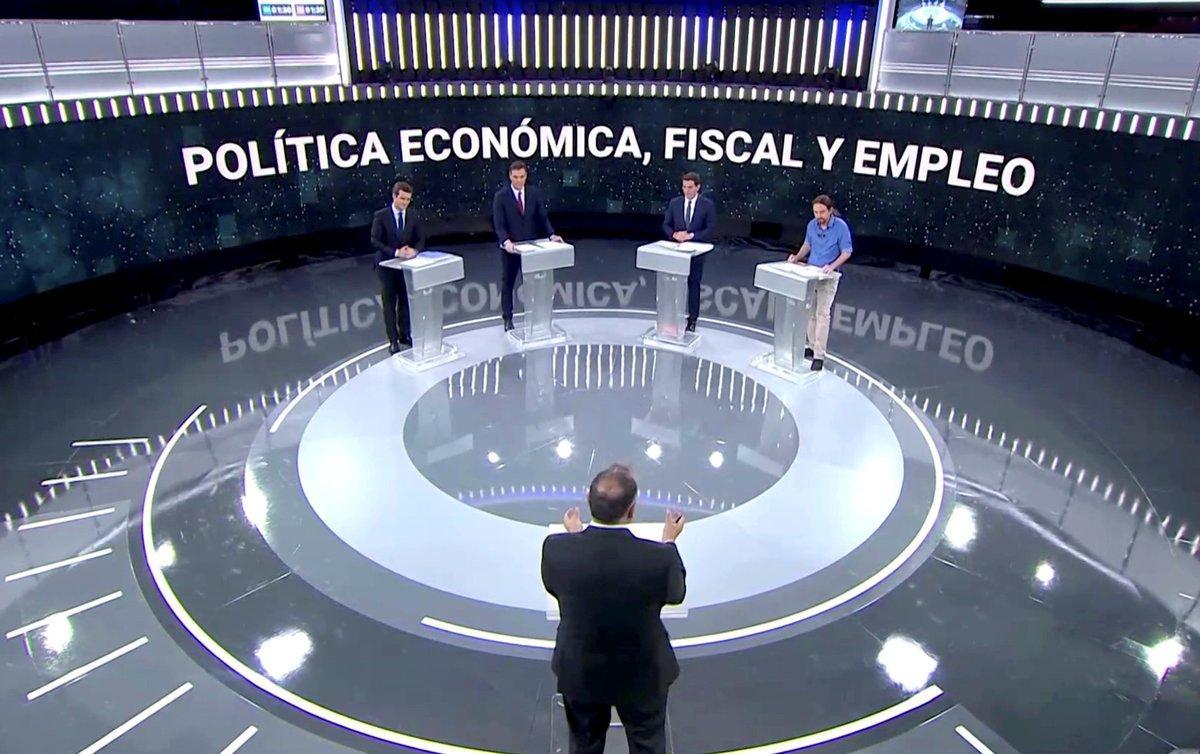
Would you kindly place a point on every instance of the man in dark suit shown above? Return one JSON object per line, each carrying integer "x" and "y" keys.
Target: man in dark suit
{"x": 518, "y": 214}
{"x": 612, "y": 648}
{"x": 396, "y": 234}
{"x": 691, "y": 217}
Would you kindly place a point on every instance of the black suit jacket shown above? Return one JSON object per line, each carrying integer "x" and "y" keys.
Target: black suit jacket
{"x": 612, "y": 646}
{"x": 385, "y": 239}
{"x": 704, "y": 218}
{"x": 511, "y": 225}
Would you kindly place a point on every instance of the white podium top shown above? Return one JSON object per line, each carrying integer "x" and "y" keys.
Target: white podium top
{"x": 790, "y": 279}
{"x": 544, "y": 254}
{"x": 650, "y": 531}
{"x": 428, "y": 269}
{"x": 669, "y": 256}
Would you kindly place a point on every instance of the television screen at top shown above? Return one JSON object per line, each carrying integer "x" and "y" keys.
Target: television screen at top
{"x": 930, "y": 15}
{"x": 285, "y": 10}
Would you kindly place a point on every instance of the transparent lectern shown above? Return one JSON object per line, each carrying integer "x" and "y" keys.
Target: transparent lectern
{"x": 426, "y": 274}
{"x": 539, "y": 260}
{"x": 793, "y": 289}
{"x": 671, "y": 262}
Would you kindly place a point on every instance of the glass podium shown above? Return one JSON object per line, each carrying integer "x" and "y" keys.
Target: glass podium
{"x": 793, "y": 289}
{"x": 539, "y": 260}
{"x": 672, "y": 263}
{"x": 426, "y": 276}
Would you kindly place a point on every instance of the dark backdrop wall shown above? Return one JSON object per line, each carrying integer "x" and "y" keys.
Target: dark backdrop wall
{"x": 1111, "y": 210}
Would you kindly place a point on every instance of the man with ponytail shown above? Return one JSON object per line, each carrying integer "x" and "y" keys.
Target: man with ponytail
{"x": 826, "y": 245}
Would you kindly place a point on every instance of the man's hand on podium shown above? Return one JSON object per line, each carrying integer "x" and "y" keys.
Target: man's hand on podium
{"x": 510, "y": 247}
{"x": 556, "y": 238}
{"x": 827, "y": 269}
{"x": 572, "y": 521}
{"x": 406, "y": 252}
{"x": 795, "y": 258}
{"x": 673, "y": 525}
{"x": 680, "y": 236}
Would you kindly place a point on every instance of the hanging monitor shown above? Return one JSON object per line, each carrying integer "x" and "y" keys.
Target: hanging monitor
{"x": 930, "y": 15}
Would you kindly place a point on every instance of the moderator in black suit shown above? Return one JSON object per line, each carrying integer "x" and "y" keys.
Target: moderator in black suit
{"x": 513, "y": 225}
{"x": 386, "y": 237}
{"x": 612, "y": 647}
{"x": 703, "y": 225}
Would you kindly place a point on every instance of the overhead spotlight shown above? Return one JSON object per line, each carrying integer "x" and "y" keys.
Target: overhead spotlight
{"x": 283, "y": 654}
{"x": 907, "y": 663}
{"x": 828, "y": 79}
{"x": 56, "y": 635}
{"x": 1045, "y": 574}
{"x": 1164, "y": 655}
{"x": 961, "y": 528}
{"x": 164, "y": 555}
{"x": 564, "y": 448}
{"x": 493, "y": 456}
{"x": 716, "y": 459}
{"x": 654, "y": 451}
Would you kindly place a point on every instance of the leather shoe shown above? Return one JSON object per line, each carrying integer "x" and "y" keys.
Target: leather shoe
{"x": 818, "y": 364}
{"x": 393, "y": 349}
{"x": 808, "y": 353}
{"x": 691, "y": 327}
{"x": 508, "y": 325}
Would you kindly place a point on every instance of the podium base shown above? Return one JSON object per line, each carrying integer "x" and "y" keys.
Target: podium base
{"x": 556, "y": 336}
{"x": 412, "y": 363}
{"x": 685, "y": 344}
{"x": 766, "y": 362}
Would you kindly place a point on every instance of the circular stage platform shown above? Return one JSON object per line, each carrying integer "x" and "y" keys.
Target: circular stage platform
{"x": 805, "y": 497}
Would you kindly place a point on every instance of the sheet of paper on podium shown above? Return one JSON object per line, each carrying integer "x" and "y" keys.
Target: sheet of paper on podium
{"x": 426, "y": 258}
{"x": 808, "y": 271}
{"x": 541, "y": 244}
{"x": 650, "y": 531}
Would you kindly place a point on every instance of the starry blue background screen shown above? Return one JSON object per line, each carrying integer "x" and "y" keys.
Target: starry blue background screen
{"x": 86, "y": 199}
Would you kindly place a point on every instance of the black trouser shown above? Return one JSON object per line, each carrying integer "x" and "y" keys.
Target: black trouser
{"x": 645, "y": 725}
{"x": 511, "y": 264}
{"x": 395, "y": 305}
{"x": 694, "y": 276}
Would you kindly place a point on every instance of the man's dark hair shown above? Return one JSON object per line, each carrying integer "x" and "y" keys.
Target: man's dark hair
{"x": 611, "y": 493}
{"x": 825, "y": 200}
{"x": 693, "y": 177}
{"x": 399, "y": 186}
{"x": 517, "y": 165}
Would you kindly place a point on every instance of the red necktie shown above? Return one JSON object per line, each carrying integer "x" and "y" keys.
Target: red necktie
{"x": 521, "y": 203}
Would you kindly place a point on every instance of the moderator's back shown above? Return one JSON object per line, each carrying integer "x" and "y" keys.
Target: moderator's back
{"x": 611, "y": 586}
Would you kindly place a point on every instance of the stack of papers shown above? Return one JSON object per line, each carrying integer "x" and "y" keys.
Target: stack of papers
{"x": 421, "y": 260}
{"x": 684, "y": 246}
{"x": 799, "y": 270}
{"x": 543, "y": 243}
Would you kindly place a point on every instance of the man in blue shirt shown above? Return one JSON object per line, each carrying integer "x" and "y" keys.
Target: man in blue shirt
{"x": 826, "y": 245}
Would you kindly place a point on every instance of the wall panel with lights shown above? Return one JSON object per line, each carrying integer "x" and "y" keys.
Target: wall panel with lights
{"x": 795, "y": 44}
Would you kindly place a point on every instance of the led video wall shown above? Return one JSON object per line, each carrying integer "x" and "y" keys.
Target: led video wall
{"x": 86, "y": 199}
